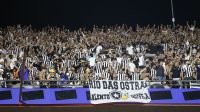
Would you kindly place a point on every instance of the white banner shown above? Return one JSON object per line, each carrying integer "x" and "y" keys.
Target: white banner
{"x": 109, "y": 91}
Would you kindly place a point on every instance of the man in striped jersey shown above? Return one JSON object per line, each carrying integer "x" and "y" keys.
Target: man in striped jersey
{"x": 187, "y": 71}
{"x": 153, "y": 72}
{"x": 115, "y": 64}
{"x": 165, "y": 47}
{"x": 105, "y": 73}
{"x": 125, "y": 62}
{"x": 121, "y": 75}
{"x": 98, "y": 69}
{"x": 135, "y": 75}
{"x": 186, "y": 74}
{"x": 106, "y": 63}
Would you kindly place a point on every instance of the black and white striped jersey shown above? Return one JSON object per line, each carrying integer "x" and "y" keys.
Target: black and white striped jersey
{"x": 34, "y": 72}
{"x": 121, "y": 76}
{"x": 68, "y": 63}
{"x": 47, "y": 64}
{"x": 105, "y": 64}
{"x": 153, "y": 73}
{"x": 77, "y": 76}
{"x": 135, "y": 76}
{"x": 98, "y": 76}
{"x": 16, "y": 51}
{"x": 79, "y": 55}
{"x": 45, "y": 58}
{"x": 125, "y": 62}
{"x": 98, "y": 67}
{"x": 187, "y": 71}
{"x": 165, "y": 47}
{"x": 115, "y": 65}
{"x": 103, "y": 56}
{"x": 51, "y": 63}
{"x": 28, "y": 60}
{"x": 64, "y": 63}
{"x": 119, "y": 49}
{"x": 106, "y": 75}
{"x": 74, "y": 62}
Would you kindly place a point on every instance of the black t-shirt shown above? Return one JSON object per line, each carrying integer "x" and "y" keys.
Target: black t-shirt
{"x": 6, "y": 74}
{"x": 198, "y": 72}
{"x": 38, "y": 65}
{"x": 136, "y": 62}
{"x": 160, "y": 70}
{"x": 175, "y": 72}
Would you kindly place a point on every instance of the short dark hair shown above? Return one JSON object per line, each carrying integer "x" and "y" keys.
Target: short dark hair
{"x": 10, "y": 56}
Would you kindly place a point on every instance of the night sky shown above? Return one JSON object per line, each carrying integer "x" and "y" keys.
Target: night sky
{"x": 86, "y": 13}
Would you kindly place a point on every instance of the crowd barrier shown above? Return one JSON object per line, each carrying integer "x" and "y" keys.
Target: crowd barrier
{"x": 81, "y": 96}
{"x": 78, "y": 83}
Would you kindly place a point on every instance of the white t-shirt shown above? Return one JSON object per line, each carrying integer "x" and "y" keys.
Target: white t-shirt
{"x": 98, "y": 49}
{"x": 21, "y": 54}
{"x": 1, "y": 60}
{"x": 194, "y": 51}
{"x": 130, "y": 50}
{"x": 131, "y": 67}
{"x": 85, "y": 51}
{"x": 91, "y": 61}
{"x": 1, "y": 78}
{"x": 12, "y": 63}
{"x": 187, "y": 57}
{"x": 192, "y": 28}
{"x": 187, "y": 43}
{"x": 141, "y": 61}
{"x": 119, "y": 59}
{"x": 138, "y": 49}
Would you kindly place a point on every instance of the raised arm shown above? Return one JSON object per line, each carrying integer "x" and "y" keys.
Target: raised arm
{"x": 194, "y": 23}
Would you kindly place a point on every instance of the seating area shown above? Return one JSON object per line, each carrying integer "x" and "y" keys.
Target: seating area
{"x": 57, "y": 56}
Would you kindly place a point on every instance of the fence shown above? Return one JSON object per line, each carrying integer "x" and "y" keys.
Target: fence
{"x": 79, "y": 83}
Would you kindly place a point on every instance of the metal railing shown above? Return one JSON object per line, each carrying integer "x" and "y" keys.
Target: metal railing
{"x": 79, "y": 83}
{"x": 41, "y": 83}
{"x": 174, "y": 84}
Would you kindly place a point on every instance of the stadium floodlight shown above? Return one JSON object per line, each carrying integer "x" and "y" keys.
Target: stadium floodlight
{"x": 173, "y": 18}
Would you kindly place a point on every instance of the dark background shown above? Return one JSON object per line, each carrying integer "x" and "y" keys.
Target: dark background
{"x": 86, "y": 13}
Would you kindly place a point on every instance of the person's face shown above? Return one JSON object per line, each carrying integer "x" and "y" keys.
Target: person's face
{"x": 161, "y": 63}
{"x": 154, "y": 66}
{"x": 188, "y": 63}
{"x": 55, "y": 61}
{"x": 176, "y": 64}
{"x": 52, "y": 73}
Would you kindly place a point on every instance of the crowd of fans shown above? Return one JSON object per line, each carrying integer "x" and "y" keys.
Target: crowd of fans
{"x": 107, "y": 53}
